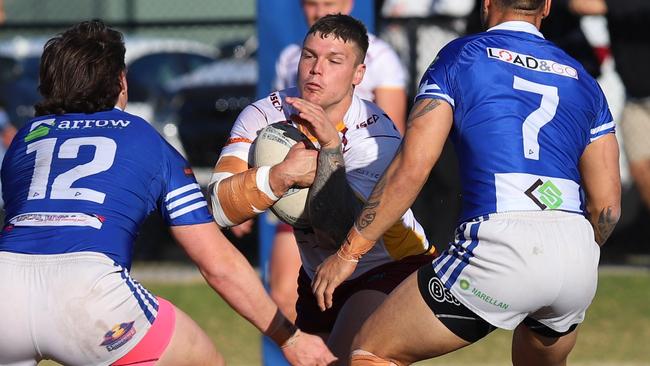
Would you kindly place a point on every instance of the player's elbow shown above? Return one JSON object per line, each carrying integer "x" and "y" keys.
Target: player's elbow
{"x": 217, "y": 211}
{"x": 222, "y": 272}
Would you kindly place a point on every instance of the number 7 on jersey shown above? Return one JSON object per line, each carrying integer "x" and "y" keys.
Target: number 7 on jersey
{"x": 541, "y": 116}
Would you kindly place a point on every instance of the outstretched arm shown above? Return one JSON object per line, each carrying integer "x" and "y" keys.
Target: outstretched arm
{"x": 601, "y": 180}
{"x": 230, "y": 275}
{"x": 428, "y": 126}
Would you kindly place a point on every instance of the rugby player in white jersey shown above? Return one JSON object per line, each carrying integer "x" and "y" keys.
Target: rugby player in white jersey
{"x": 384, "y": 82}
{"x": 541, "y": 191}
{"x": 356, "y": 142}
{"x": 78, "y": 181}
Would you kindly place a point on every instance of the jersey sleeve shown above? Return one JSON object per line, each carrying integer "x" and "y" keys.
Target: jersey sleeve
{"x": 244, "y": 132}
{"x": 603, "y": 122}
{"x": 182, "y": 201}
{"x": 438, "y": 81}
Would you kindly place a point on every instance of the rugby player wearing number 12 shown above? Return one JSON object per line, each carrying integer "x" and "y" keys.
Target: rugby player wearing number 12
{"x": 78, "y": 181}
{"x": 541, "y": 190}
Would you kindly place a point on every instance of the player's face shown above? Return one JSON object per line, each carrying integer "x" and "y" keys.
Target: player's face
{"x": 316, "y": 9}
{"x": 328, "y": 70}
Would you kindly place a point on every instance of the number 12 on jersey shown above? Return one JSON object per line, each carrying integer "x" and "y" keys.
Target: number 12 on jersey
{"x": 61, "y": 187}
{"x": 541, "y": 116}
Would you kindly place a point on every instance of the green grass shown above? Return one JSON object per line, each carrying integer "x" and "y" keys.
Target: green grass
{"x": 235, "y": 338}
{"x": 616, "y": 330}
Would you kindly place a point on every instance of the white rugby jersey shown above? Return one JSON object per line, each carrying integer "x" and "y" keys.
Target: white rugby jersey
{"x": 369, "y": 142}
{"x": 383, "y": 69}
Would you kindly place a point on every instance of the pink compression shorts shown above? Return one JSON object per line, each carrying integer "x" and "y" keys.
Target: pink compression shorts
{"x": 148, "y": 351}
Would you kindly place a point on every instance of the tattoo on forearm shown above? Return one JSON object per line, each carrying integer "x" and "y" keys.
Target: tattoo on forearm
{"x": 332, "y": 204}
{"x": 423, "y": 108}
{"x": 604, "y": 225}
{"x": 369, "y": 212}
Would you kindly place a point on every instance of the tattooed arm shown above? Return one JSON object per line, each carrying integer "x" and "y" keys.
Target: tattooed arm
{"x": 427, "y": 128}
{"x": 426, "y": 131}
{"x": 602, "y": 184}
{"x": 331, "y": 202}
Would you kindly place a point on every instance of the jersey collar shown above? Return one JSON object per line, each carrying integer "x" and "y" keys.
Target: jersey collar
{"x": 518, "y": 26}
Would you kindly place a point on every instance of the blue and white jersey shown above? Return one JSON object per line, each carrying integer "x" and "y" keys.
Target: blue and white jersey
{"x": 86, "y": 182}
{"x": 524, "y": 112}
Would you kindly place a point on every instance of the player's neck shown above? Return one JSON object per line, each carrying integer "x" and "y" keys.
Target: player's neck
{"x": 502, "y": 17}
{"x": 337, "y": 111}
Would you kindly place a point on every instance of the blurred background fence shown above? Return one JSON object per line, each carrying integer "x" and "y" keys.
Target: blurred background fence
{"x": 193, "y": 67}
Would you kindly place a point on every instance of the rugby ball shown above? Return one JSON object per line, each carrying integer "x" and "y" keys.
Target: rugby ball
{"x": 269, "y": 148}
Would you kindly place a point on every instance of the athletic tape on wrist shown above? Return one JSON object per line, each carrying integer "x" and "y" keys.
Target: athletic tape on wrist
{"x": 354, "y": 246}
{"x": 263, "y": 180}
{"x": 282, "y": 331}
{"x": 240, "y": 198}
{"x": 293, "y": 339}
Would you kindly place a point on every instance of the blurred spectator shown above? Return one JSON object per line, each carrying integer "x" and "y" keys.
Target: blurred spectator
{"x": 630, "y": 45}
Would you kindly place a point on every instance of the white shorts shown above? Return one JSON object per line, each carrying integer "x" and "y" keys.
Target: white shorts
{"x": 509, "y": 266}
{"x": 76, "y": 309}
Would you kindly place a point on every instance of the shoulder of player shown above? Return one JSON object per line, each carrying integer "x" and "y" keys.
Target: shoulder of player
{"x": 463, "y": 44}
{"x": 365, "y": 119}
{"x": 273, "y": 107}
{"x": 265, "y": 111}
{"x": 114, "y": 119}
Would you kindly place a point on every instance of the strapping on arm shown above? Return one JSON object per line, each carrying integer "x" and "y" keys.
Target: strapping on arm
{"x": 238, "y": 193}
{"x": 354, "y": 246}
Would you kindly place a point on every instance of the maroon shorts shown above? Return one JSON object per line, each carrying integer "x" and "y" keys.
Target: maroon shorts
{"x": 283, "y": 228}
{"x": 383, "y": 278}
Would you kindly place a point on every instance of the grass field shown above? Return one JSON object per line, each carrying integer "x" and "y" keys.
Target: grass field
{"x": 616, "y": 331}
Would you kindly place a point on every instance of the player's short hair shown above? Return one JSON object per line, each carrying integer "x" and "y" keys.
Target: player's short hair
{"x": 521, "y": 5}
{"x": 345, "y": 28}
{"x": 80, "y": 70}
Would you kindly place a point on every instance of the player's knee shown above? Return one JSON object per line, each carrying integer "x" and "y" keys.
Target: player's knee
{"x": 360, "y": 357}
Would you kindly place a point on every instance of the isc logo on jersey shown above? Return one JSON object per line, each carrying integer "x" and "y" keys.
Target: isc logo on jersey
{"x": 532, "y": 63}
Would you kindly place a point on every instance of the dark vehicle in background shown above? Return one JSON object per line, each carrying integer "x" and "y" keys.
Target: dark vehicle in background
{"x": 206, "y": 102}
{"x": 151, "y": 63}
{"x": 19, "y": 62}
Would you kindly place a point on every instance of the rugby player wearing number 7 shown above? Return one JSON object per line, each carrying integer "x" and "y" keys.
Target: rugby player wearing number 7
{"x": 533, "y": 132}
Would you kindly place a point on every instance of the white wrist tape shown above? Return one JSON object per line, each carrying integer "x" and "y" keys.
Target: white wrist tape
{"x": 263, "y": 181}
